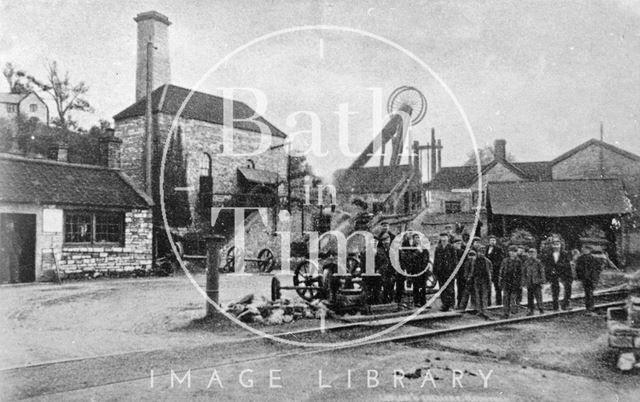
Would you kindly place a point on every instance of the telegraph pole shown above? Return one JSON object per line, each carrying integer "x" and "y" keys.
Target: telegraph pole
{"x": 149, "y": 123}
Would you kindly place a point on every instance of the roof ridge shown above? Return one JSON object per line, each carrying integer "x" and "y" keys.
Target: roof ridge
{"x": 590, "y": 142}
{"x": 557, "y": 180}
{"x": 19, "y": 158}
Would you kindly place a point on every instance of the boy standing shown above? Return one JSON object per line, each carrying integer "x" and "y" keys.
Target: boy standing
{"x": 533, "y": 277}
{"x": 510, "y": 279}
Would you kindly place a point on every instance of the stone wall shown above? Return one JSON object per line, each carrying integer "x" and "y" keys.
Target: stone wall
{"x": 436, "y": 198}
{"x": 131, "y": 132}
{"x": 51, "y": 250}
{"x": 585, "y": 164}
{"x": 134, "y": 254}
{"x": 199, "y": 138}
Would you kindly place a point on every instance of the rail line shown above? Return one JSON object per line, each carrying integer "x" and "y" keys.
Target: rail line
{"x": 28, "y": 388}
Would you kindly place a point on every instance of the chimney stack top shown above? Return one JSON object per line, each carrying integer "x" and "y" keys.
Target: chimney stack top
{"x": 152, "y": 15}
{"x": 500, "y": 149}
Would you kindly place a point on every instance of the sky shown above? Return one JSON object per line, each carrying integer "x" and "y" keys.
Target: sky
{"x": 540, "y": 74}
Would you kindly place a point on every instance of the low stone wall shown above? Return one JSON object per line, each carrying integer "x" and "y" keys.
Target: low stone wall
{"x": 134, "y": 255}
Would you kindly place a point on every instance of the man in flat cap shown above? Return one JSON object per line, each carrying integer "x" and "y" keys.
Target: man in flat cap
{"x": 495, "y": 254}
{"x": 588, "y": 270}
{"x": 460, "y": 279}
{"x": 384, "y": 267}
{"x": 478, "y": 275}
{"x": 444, "y": 262}
{"x": 557, "y": 265}
{"x": 510, "y": 279}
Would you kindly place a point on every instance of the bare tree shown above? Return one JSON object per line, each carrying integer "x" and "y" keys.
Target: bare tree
{"x": 67, "y": 97}
{"x": 19, "y": 82}
{"x": 486, "y": 156}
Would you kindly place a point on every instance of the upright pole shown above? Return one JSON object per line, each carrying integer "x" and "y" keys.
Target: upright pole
{"x": 289, "y": 177}
{"x": 213, "y": 244}
{"x": 601, "y": 154}
{"x": 148, "y": 118}
{"x": 432, "y": 150}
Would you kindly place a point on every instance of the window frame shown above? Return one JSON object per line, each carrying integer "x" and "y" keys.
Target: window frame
{"x": 450, "y": 211}
{"x": 33, "y": 107}
{"x": 94, "y": 217}
{"x": 12, "y": 108}
{"x": 474, "y": 199}
{"x": 205, "y": 165}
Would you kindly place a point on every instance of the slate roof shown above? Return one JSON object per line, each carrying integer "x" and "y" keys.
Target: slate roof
{"x": 259, "y": 176}
{"x": 38, "y": 181}
{"x": 454, "y": 177}
{"x": 560, "y": 198}
{"x": 201, "y": 106}
{"x": 462, "y": 176}
{"x": 539, "y": 171}
{"x": 371, "y": 179}
{"x": 11, "y": 98}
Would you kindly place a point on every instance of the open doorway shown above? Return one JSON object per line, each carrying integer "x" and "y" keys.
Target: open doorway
{"x": 18, "y": 242}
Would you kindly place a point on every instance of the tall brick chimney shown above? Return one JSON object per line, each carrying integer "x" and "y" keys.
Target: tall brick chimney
{"x": 500, "y": 149}
{"x": 152, "y": 27}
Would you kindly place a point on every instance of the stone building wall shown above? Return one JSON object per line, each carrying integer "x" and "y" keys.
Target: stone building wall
{"x": 134, "y": 254}
{"x": 436, "y": 198}
{"x": 51, "y": 250}
{"x": 199, "y": 138}
{"x": 585, "y": 164}
{"x": 131, "y": 132}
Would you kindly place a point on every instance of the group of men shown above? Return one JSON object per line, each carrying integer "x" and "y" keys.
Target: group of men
{"x": 521, "y": 268}
{"x": 414, "y": 259}
{"x": 484, "y": 271}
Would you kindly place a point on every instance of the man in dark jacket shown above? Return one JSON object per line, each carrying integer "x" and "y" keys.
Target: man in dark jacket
{"x": 522, "y": 254}
{"x": 557, "y": 265}
{"x": 478, "y": 276}
{"x": 588, "y": 270}
{"x": 495, "y": 254}
{"x": 384, "y": 268}
{"x": 532, "y": 278}
{"x": 510, "y": 279}
{"x": 418, "y": 264}
{"x": 444, "y": 263}
{"x": 460, "y": 278}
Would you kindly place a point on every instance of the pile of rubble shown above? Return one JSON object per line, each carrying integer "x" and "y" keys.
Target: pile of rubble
{"x": 250, "y": 309}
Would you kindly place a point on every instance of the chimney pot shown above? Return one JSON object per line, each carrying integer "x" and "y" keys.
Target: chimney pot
{"x": 500, "y": 149}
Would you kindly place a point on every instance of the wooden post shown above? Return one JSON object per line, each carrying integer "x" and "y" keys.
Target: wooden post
{"x": 213, "y": 242}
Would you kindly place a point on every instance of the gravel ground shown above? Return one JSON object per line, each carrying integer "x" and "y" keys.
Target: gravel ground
{"x": 44, "y": 322}
{"x": 562, "y": 360}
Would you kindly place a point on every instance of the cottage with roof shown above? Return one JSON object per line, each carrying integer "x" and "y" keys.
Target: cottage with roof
{"x": 71, "y": 218}
{"x": 28, "y": 105}
{"x": 594, "y": 185}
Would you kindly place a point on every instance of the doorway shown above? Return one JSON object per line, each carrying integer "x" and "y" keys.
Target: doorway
{"x": 18, "y": 242}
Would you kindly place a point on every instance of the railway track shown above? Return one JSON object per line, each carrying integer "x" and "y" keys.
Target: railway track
{"x": 424, "y": 326}
{"x": 53, "y": 377}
